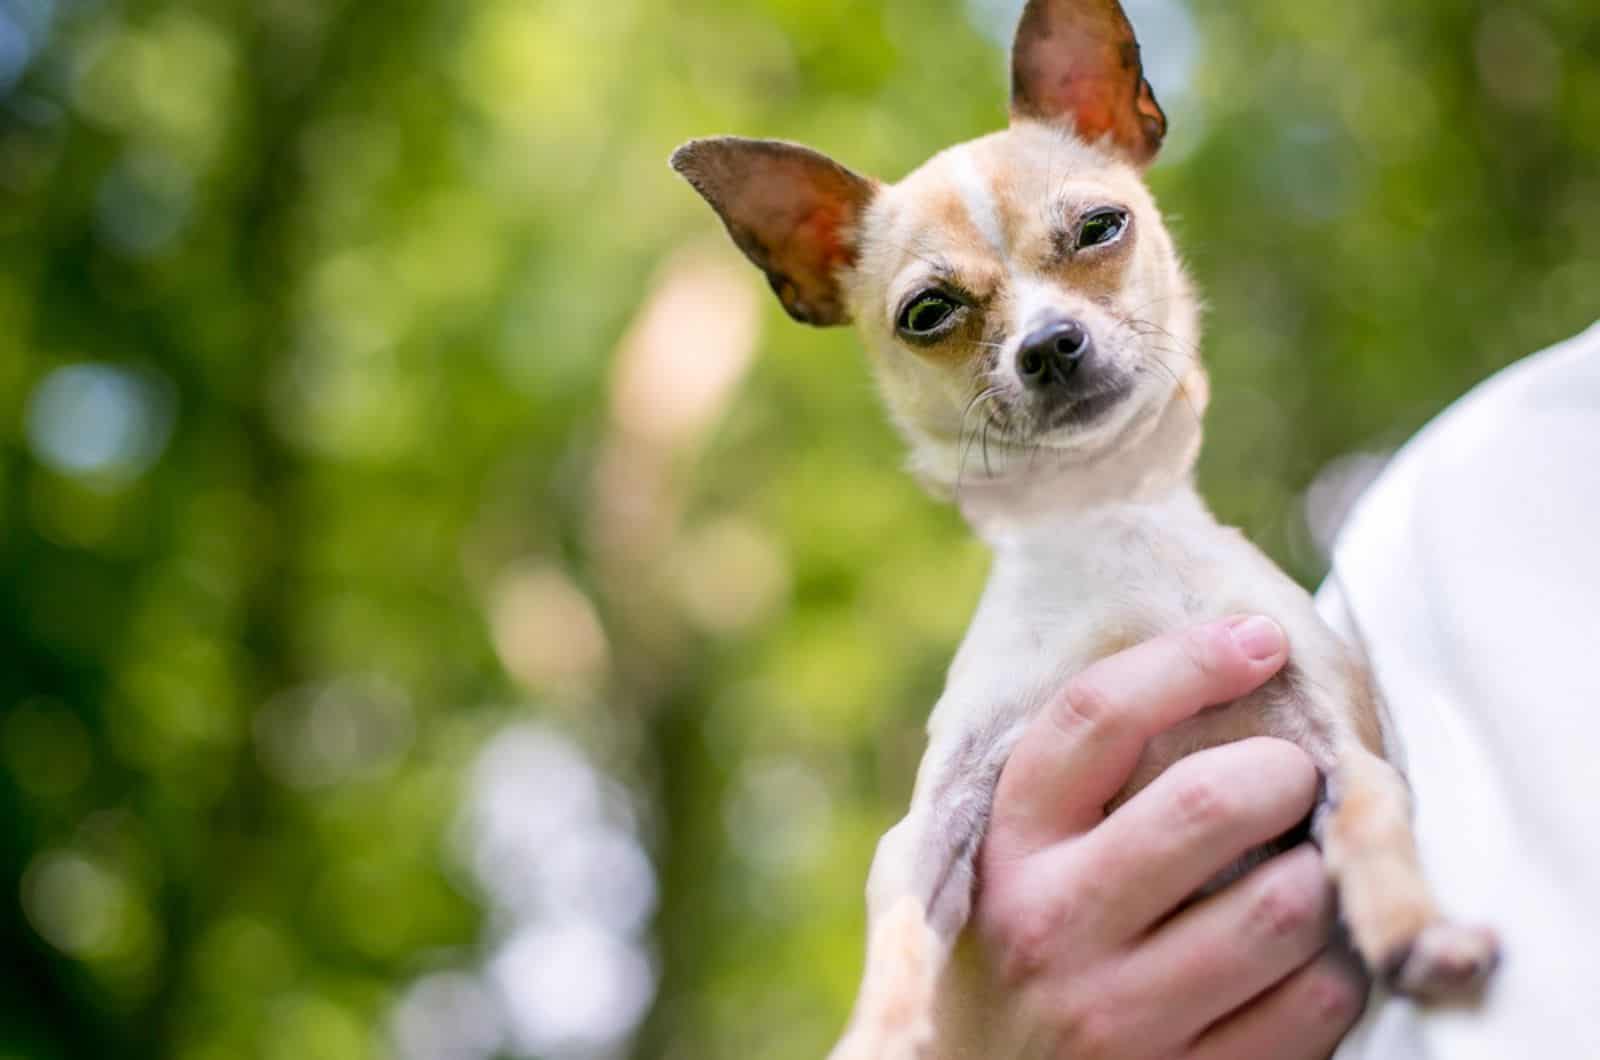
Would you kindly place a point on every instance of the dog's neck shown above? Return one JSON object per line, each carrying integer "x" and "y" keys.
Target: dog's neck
{"x": 1061, "y": 495}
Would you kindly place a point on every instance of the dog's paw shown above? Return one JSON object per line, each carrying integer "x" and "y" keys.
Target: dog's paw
{"x": 1445, "y": 962}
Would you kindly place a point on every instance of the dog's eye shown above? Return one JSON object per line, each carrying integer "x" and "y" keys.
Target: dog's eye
{"x": 1102, "y": 226}
{"x": 926, "y": 314}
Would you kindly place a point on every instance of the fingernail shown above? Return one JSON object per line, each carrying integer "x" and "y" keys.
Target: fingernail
{"x": 1258, "y": 637}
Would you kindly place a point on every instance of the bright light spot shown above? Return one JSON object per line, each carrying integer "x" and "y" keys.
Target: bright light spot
{"x": 1333, "y": 494}
{"x": 75, "y": 904}
{"x": 24, "y": 28}
{"x": 101, "y": 420}
{"x": 729, "y": 575}
{"x": 552, "y": 841}
{"x": 1169, "y": 45}
{"x": 447, "y": 1016}
{"x": 528, "y": 789}
{"x": 599, "y": 874}
{"x": 326, "y": 734}
{"x": 996, "y": 19}
{"x": 13, "y": 51}
{"x": 546, "y": 631}
{"x": 777, "y": 816}
{"x": 686, "y": 351}
{"x": 571, "y": 990}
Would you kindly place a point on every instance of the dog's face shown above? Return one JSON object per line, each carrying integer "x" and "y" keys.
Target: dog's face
{"x": 1017, "y": 292}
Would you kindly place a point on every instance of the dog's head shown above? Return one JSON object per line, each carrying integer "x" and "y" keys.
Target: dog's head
{"x": 1020, "y": 289}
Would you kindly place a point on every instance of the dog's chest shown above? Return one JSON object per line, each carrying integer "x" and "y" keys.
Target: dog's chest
{"x": 1058, "y": 601}
{"x": 1069, "y": 593}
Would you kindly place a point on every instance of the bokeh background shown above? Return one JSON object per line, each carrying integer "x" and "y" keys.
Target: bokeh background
{"x": 447, "y": 611}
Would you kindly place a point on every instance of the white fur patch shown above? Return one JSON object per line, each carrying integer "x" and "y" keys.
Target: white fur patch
{"x": 978, "y": 197}
{"x": 1035, "y": 301}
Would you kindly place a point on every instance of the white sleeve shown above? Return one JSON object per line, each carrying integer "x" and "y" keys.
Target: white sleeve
{"x": 1470, "y": 573}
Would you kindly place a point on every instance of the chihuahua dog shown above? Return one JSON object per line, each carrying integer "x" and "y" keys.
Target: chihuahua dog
{"x": 1026, "y": 277}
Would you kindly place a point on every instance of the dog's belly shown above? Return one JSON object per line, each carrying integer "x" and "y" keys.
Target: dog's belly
{"x": 1275, "y": 710}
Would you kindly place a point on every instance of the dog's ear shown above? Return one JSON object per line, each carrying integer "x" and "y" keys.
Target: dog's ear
{"x": 1076, "y": 62}
{"x": 791, "y": 210}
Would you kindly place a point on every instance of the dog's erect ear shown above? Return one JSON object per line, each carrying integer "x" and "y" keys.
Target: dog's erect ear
{"x": 791, "y": 210}
{"x": 1077, "y": 62}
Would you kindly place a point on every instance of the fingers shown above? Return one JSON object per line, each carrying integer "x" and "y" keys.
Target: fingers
{"x": 1221, "y": 952}
{"x": 1193, "y": 821}
{"x": 1083, "y": 746}
{"x": 1301, "y": 1018}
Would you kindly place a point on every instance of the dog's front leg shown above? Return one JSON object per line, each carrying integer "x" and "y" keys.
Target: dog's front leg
{"x": 1366, "y": 837}
{"x": 919, "y": 895}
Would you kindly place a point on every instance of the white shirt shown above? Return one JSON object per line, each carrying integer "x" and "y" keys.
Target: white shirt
{"x": 1470, "y": 572}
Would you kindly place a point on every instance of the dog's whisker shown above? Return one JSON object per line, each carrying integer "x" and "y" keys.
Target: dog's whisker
{"x": 1183, "y": 392}
{"x": 981, "y": 401}
{"x": 988, "y": 471}
{"x": 1190, "y": 347}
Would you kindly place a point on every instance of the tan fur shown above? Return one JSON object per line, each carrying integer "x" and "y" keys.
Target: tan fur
{"x": 896, "y": 1004}
{"x": 1368, "y": 844}
{"x": 1365, "y": 709}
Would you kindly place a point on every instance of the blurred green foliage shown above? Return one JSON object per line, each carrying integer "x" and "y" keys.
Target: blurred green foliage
{"x": 319, "y": 466}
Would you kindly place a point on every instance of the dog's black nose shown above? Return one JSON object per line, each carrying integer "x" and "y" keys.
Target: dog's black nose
{"x": 1051, "y": 354}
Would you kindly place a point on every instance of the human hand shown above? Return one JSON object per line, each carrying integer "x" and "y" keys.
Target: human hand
{"x": 1078, "y": 948}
